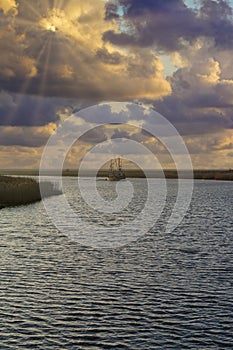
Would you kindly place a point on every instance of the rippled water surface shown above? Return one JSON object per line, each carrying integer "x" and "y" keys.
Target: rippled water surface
{"x": 165, "y": 291}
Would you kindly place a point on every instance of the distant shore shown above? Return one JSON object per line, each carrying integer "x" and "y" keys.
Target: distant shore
{"x": 15, "y": 191}
{"x": 224, "y": 175}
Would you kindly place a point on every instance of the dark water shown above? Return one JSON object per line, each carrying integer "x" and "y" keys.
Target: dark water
{"x": 166, "y": 291}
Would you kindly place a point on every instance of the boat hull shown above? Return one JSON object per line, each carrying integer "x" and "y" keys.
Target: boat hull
{"x": 116, "y": 177}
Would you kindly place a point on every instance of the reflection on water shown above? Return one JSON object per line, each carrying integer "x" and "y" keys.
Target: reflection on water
{"x": 166, "y": 291}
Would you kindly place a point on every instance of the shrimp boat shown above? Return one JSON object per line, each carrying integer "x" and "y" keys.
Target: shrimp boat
{"x": 116, "y": 173}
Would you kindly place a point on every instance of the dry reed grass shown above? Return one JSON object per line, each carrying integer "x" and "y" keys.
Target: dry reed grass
{"x": 16, "y": 191}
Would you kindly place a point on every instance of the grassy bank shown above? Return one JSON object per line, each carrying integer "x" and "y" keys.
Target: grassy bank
{"x": 214, "y": 174}
{"x": 16, "y": 191}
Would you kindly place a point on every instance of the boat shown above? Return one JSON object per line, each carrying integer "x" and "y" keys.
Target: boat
{"x": 116, "y": 173}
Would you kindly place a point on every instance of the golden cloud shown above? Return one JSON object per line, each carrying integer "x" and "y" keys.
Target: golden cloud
{"x": 18, "y": 157}
{"x": 9, "y": 6}
{"x": 61, "y": 52}
{"x": 26, "y": 136}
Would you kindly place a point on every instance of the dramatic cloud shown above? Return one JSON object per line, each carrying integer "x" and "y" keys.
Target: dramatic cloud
{"x": 26, "y": 136}
{"x": 8, "y": 7}
{"x": 51, "y": 50}
{"x": 212, "y": 150}
{"x": 17, "y": 157}
{"x": 202, "y": 95}
{"x": 160, "y": 23}
{"x": 58, "y": 57}
{"x": 26, "y": 110}
{"x": 169, "y": 25}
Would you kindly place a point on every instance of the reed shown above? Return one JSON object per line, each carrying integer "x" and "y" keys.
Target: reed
{"x": 16, "y": 191}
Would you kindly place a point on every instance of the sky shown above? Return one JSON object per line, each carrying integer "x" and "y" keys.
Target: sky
{"x": 59, "y": 56}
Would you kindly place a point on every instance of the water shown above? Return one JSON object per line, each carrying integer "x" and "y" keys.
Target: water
{"x": 166, "y": 291}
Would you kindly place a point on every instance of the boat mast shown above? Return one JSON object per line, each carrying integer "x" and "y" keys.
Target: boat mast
{"x": 119, "y": 164}
{"x": 111, "y": 166}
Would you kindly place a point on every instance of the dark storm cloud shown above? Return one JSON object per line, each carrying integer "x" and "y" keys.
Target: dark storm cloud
{"x": 109, "y": 58}
{"x": 208, "y": 100}
{"x": 111, "y": 10}
{"x": 190, "y": 117}
{"x": 94, "y": 136}
{"x": 23, "y": 137}
{"x": 218, "y": 22}
{"x": 167, "y": 24}
{"x": 26, "y": 110}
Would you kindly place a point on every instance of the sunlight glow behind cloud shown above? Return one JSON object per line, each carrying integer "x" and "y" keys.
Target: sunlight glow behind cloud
{"x": 60, "y": 56}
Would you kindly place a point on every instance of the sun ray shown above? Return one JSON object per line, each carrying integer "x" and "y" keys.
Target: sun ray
{"x": 41, "y": 89}
{"x": 86, "y": 70}
{"x": 23, "y": 21}
{"x": 25, "y": 86}
{"x": 55, "y": 4}
{"x": 44, "y": 6}
{"x": 59, "y": 4}
{"x": 37, "y": 13}
{"x": 27, "y": 82}
{"x": 42, "y": 50}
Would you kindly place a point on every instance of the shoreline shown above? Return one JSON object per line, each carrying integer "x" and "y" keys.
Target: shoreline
{"x": 16, "y": 191}
{"x": 222, "y": 175}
